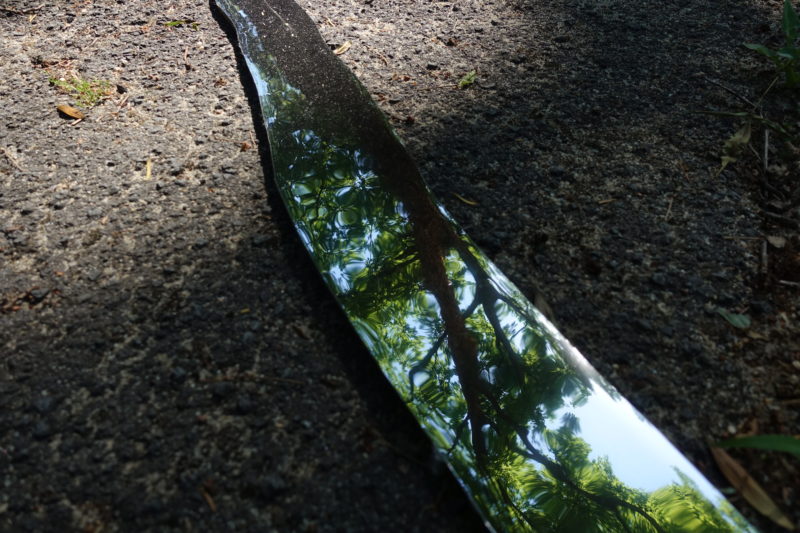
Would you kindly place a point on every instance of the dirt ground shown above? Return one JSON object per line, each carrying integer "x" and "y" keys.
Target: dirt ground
{"x": 169, "y": 359}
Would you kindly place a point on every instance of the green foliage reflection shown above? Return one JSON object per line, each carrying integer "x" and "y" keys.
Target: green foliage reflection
{"x": 494, "y": 386}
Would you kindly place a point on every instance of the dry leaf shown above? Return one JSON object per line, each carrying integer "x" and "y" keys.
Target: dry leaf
{"x": 777, "y": 242}
{"x": 734, "y": 145}
{"x": 70, "y": 111}
{"x": 344, "y": 48}
{"x": 473, "y": 203}
{"x": 749, "y": 488}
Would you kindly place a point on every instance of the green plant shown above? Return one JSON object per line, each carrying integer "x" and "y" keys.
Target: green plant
{"x": 87, "y": 93}
{"x": 467, "y": 80}
{"x": 178, "y": 23}
{"x": 778, "y": 443}
{"x": 786, "y": 58}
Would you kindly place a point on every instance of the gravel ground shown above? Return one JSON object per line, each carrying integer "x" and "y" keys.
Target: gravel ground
{"x": 170, "y": 360}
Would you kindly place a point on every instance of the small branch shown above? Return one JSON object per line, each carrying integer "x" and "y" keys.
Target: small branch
{"x": 734, "y": 93}
{"x": 122, "y": 102}
{"x": 786, "y": 221}
{"x": 769, "y": 88}
{"x": 11, "y": 159}
{"x": 420, "y": 366}
{"x": 21, "y": 11}
{"x": 459, "y": 429}
{"x": 186, "y": 63}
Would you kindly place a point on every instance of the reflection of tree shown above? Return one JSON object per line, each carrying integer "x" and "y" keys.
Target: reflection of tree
{"x": 482, "y": 373}
{"x": 470, "y": 354}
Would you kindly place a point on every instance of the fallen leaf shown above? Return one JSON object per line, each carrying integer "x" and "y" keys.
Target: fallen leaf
{"x": 344, "y": 48}
{"x": 749, "y": 488}
{"x": 736, "y": 320}
{"x": 70, "y": 111}
{"x": 473, "y": 203}
{"x": 178, "y": 23}
{"x": 734, "y": 145}
{"x": 777, "y": 242}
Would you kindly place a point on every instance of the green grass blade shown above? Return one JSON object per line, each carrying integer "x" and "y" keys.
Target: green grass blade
{"x": 761, "y": 49}
{"x": 778, "y": 443}
{"x": 790, "y": 23}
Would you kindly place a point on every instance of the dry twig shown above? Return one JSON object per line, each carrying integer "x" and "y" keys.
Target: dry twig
{"x": 21, "y": 11}
{"x": 734, "y": 93}
{"x": 786, "y": 221}
{"x": 669, "y": 209}
{"x": 11, "y": 159}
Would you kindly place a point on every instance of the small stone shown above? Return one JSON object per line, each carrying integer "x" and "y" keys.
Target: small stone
{"x": 37, "y": 295}
{"x": 245, "y": 404}
{"x": 174, "y": 166}
{"x": 721, "y": 275}
{"x": 152, "y": 507}
{"x": 42, "y": 430}
{"x": 659, "y": 279}
{"x": 222, "y": 389}
{"x": 273, "y": 485}
{"x": 18, "y": 239}
{"x": 84, "y": 297}
{"x": 259, "y": 239}
{"x": 178, "y": 374}
{"x": 44, "y": 404}
{"x": 760, "y": 307}
{"x": 691, "y": 348}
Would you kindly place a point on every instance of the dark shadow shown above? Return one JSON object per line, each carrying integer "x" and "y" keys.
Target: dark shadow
{"x": 388, "y": 413}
